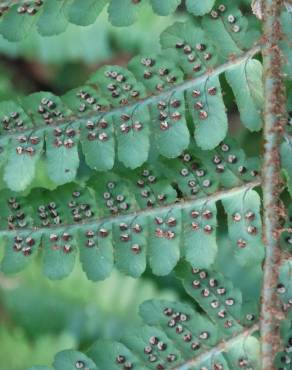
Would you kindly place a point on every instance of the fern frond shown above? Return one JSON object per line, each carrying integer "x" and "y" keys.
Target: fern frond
{"x": 51, "y": 17}
{"x": 176, "y": 338}
{"x": 115, "y": 112}
{"x": 120, "y": 220}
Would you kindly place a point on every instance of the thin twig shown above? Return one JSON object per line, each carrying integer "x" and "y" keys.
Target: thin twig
{"x": 275, "y": 119}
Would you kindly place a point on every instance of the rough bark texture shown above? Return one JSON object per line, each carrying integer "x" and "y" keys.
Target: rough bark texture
{"x": 275, "y": 118}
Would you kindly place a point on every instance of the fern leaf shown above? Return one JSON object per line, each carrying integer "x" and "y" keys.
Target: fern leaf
{"x": 175, "y": 337}
{"x": 20, "y": 167}
{"x": 192, "y": 178}
{"x": 164, "y": 7}
{"x": 114, "y": 219}
{"x": 115, "y": 112}
{"x": 229, "y": 162}
{"x": 199, "y": 8}
{"x": 246, "y": 83}
{"x": 216, "y": 295}
{"x": 244, "y": 226}
{"x": 84, "y": 12}
{"x": 123, "y": 12}
{"x": 19, "y": 251}
{"x": 226, "y": 27}
{"x": 64, "y": 361}
{"x": 171, "y": 136}
{"x": 52, "y": 20}
{"x": 52, "y": 16}
{"x": 15, "y": 25}
{"x": 205, "y": 100}
{"x": 199, "y": 223}
{"x": 191, "y": 47}
{"x": 209, "y": 114}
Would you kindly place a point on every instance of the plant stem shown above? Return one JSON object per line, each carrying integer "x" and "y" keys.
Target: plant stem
{"x": 274, "y": 121}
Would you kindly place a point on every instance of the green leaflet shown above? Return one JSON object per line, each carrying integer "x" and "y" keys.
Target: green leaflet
{"x": 123, "y": 12}
{"x": 139, "y": 339}
{"x": 161, "y": 313}
{"x": 226, "y": 27}
{"x": 192, "y": 178}
{"x": 286, "y": 152}
{"x": 195, "y": 54}
{"x": 68, "y": 360}
{"x": 229, "y": 162}
{"x": 99, "y": 154}
{"x": 165, "y": 240}
{"x": 15, "y": 26}
{"x": 118, "y": 85}
{"x": 15, "y": 211}
{"x": 133, "y": 137}
{"x": 250, "y": 346}
{"x": 208, "y": 112}
{"x": 168, "y": 123}
{"x": 13, "y": 117}
{"x": 152, "y": 188}
{"x": 246, "y": 83}
{"x": 23, "y": 155}
{"x": 105, "y": 354}
{"x": 244, "y": 226}
{"x": 19, "y": 155}
{"x": 96, "y": 251}
{"x": 171, "y": 135}
{"x": 62, "y": 154}
{"x": 199, "y": 228}
{"x": 132, "y": 126}
{"x": 193, "y": 50}
{"x": 84, "y": 12}
{"x": 131, "y": 239}
{"x": 19, "y": 251}
{"x": 59, "y": 253}
{"x": 97, "y": 136}
{"x": 215, "y": 294}
{"x": 52, "y": 20}
{"x": 199, "y": 7}
{"x": 164, "y": 7}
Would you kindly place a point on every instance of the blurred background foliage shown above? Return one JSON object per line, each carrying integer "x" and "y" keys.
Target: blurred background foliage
{"x": 39, "y": 317}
